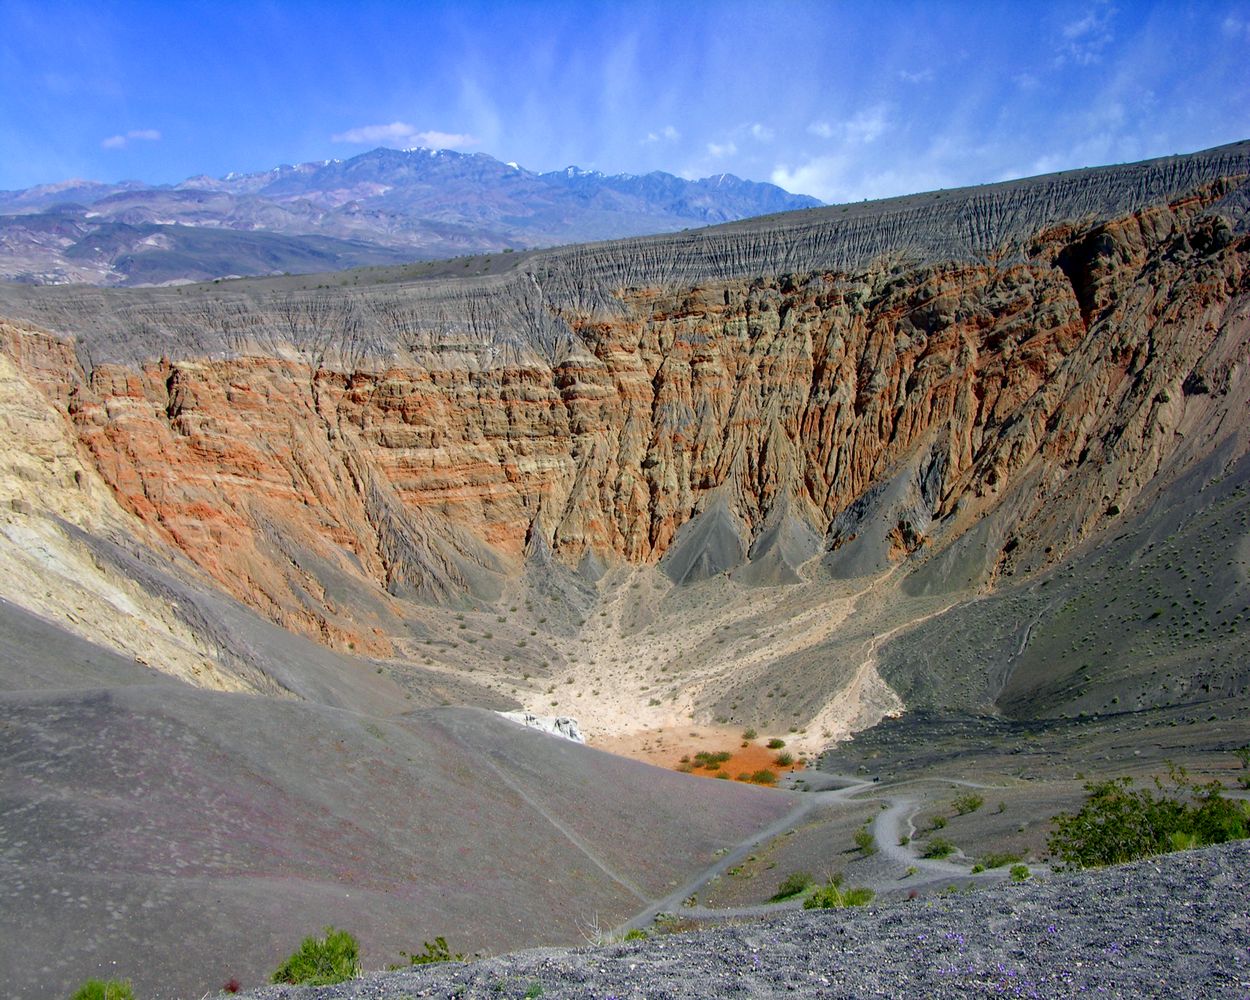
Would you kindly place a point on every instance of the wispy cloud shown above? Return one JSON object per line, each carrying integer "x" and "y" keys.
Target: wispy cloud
{"x": 403, "y": 134}
{"x": 1236, "y": 28}
{"x": 842, "y": 178}
{"x": 916, "y": 76}
{"x": 123, "y": 139}
{"x": 1085, "y": 38}
{"x": 860, "y": 129}
{"x": 667, "y": 134}
{"x": 760, "y": 132}
{"x": 719, "y": 149}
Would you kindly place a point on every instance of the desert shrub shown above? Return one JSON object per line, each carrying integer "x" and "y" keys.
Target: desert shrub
{"x": 1019, "y": 873}
{"x": 832, "y": 896}
{"x": 784, "y": 759}
{"x": 938, "y": 823}
{"x": 864, "y": 841}
{"x": 711, "y": 760}
{"x": 776, "y": 743}
{"x": 764, "y": 777}
{"x": 321, "y": 961}
{"x": 1121, "y": 823}
{"x": 104, "y": 989}
{"x": 749, "y": 733}
{"x": 791, "y": 885}
{"x": 903, "y": 840}
{"x": 978, "y": 868}
{"x": 432, "y": 953}
{"x": 1243, "y": 755}
{"x": 969, "y": 803}
{"x": 635, "y": 934}
{"x": 939, "y": 847}
{"x": 996, "y": 859}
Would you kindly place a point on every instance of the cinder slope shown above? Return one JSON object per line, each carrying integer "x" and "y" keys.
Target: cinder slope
{"x": 182, "y": 837}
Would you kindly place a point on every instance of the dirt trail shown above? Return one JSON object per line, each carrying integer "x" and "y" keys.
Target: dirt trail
{"x": 886, "y": 828}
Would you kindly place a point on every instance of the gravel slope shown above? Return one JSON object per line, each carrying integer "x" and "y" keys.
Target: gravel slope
{"x": 1177, "y": 926}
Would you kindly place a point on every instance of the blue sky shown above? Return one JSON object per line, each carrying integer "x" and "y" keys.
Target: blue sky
{"x": 839, "y": 100}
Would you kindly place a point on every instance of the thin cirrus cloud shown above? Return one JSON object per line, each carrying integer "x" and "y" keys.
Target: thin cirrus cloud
{"x": 401, "y": 133}
{"x": 667, "y": 134}
{"x": 124, "y": 139}
{"x": 860, "y": 129}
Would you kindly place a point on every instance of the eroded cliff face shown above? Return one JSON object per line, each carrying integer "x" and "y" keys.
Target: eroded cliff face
{"x": 1067, "y": 367}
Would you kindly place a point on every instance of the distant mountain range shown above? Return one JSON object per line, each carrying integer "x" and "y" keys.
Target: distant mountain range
{"x": 382, "y": 207}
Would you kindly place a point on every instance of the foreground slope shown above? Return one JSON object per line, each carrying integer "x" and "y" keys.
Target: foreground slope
{"x": 183, "y": 837}
{"x": 1118, "y": 931}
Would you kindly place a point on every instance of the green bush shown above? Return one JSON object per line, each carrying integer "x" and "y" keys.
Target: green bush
{"x": 864, "y": 841}
{"x": 832, "y": 896}
{"x": 635, "y": 934}
{"x": 784, "y": 759}
{"x": 791, "y": 885}
{"x": 1019, "y": 873}
{"x": 969, "y": 803}
{"x": 101, "y": 989}
{"x": 776, "y": 743}
{"x": 1243, "y": 755}
{"x": 763, "y": 777}
{"x": 432, "y": 953}
{"x": 1121, "y": 823}
{"x": 321, "y": 961}
{"x": 939, "y": 847}
{"x": 749, "y": 733}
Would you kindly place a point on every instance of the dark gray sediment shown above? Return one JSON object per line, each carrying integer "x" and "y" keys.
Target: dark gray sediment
{"x": 1174, "y": 926}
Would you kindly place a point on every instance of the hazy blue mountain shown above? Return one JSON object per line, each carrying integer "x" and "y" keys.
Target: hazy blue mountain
{"x": 379, "y": 207}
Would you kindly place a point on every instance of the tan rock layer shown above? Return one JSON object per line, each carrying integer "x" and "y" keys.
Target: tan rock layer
{"x": 1068, "y": 365}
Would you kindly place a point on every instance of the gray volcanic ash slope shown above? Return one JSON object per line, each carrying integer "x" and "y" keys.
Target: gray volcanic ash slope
{"x": 1174, "y": 926}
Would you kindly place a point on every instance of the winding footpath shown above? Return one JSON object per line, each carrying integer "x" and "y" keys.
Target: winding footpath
{"x": 887, "y": 828}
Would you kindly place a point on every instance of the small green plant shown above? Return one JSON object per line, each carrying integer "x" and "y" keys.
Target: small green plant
{"x": 969, "y": 803}
{"x": 635, "y": 934}
{"x": 749, "y": 733}
{"x": 911, "y": 870}
{"x": 938, "y": 823}
{"x": 791, "y": 885}
{"x": 939, "y": 847}
{"x": 978, "y": 868}
{"x": 432, "y": 953}
{"x": 903, "y": 840}
{"x": 1243, "y": 755}
{"x": 784, "y": 759}
{"x": 864, "y": 841}
{"x": 763, "y": 777}
{"x": 832, "y": 896}
{"x": 535, "y": 990}
{"x": 1019, "y": 873}
{"x": 776, "y": 743}
{"x": 104, "y": 989}
{"x": 711, "y": 761}
{"x": 321, "y": 961}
